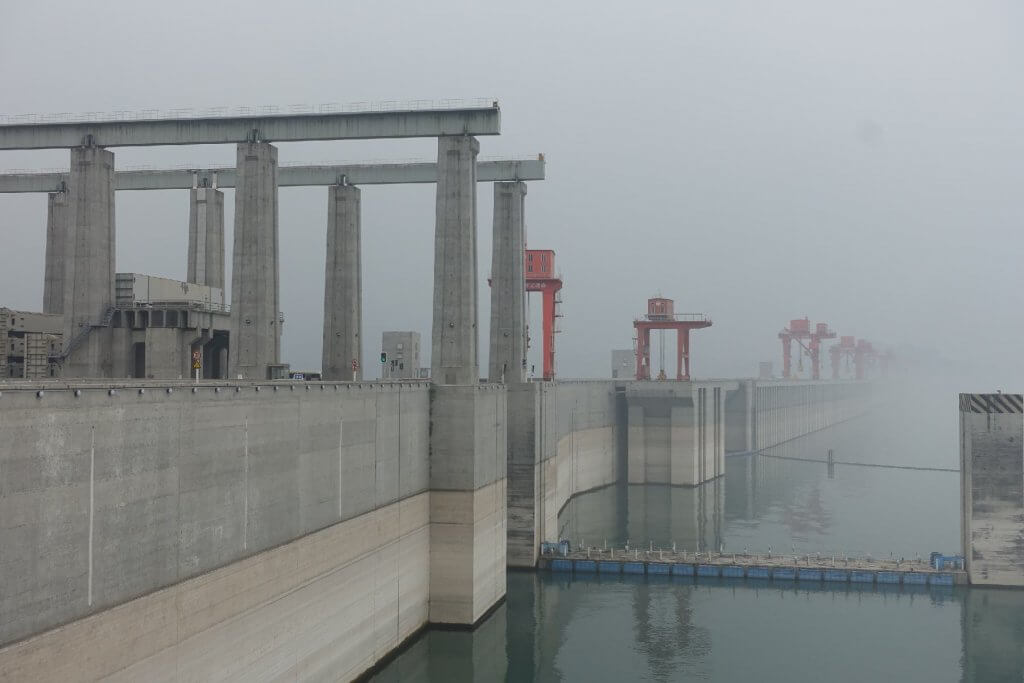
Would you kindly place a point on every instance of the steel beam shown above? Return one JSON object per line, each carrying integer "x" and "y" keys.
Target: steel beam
{"x": 288, "y": 176}
{"x": 425, "y": 123}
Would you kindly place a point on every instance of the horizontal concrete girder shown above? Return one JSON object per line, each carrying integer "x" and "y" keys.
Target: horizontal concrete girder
{"x": 287, "y": 176}
{"x": 426, "y": 123}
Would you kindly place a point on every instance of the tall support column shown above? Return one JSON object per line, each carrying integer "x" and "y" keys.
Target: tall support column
{"x": 89, "y": 262}
{"x": 468, "y": 439}
{"x": 343, "y": 289}
{"x": 454, "y": 352}
{"x": 206, "y": 237}
{"x": 508, "y": 286}
{"x": 56, "y": 245}
{"x": 255, "y": 340}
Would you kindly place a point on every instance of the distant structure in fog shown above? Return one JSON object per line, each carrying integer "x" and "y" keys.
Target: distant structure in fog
{"x": 764, "y": 370}
{"x": 623, "y": 363}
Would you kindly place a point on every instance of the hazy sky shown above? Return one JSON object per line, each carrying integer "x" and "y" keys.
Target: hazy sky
{"x": 859, "y": 163}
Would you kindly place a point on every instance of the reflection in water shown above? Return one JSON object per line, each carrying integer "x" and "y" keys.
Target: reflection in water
{"x": 558, "y": 627}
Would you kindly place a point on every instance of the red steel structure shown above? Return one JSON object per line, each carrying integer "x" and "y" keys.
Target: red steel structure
{"x": 661, "y": 316}
{"x": 845, "y": 349}
{"x": 541, "y": 277}
{"x": 799, "y": 330}
{"x": 863, "y": 358}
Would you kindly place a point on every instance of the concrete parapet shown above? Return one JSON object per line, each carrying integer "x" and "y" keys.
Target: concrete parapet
{"x": 992, "y": 487}
{"x": 507, "y": 360}
{"x": 112, "y": 491}
{"x": 343, "y": 289}
{"x": 255, "y": 286}
{"x": 467, "y": 508}
{"x": 454, "y": 351}
{"x": 206, "y": 237}
{"x": 327, "y": 605}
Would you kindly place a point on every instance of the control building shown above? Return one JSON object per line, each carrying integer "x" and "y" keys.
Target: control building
{"x": 623, "y": 363}
{"x": 403, "y": 355}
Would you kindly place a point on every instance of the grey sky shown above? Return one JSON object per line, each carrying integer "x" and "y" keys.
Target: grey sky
{"x": 859, "y": 163}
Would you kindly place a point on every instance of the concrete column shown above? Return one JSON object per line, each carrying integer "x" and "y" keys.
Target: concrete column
{"x": 507, "y": 358}
{"x": 454, "y": 352}
{"x": 206, "y": 237}
{"x": 343, "y": 289}
{"x": 748, "y": 395}
{"x": 56, "y": 244}
{"x": 683, "y": 442}
{"x": 89, "y": 261}
{"x": 636, "y": 441}
{"x": 468, "y": 503}
{"x": 255, "y": 289}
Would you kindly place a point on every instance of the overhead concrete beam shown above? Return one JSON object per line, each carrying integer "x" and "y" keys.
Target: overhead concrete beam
{"x": 505, "y": 170}
{"x": 426, "y": 123}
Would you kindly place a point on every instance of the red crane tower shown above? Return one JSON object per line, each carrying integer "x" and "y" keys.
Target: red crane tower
{"x": 541, "y": 277}
{"x": 846, "y": 348}
{"x": 661, "y": 316}
{"x": 863, "y": 358}
{"x": 799, "y": 330}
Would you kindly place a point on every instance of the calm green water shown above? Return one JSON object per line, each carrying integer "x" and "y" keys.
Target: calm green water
{"x": 555, "y": 627}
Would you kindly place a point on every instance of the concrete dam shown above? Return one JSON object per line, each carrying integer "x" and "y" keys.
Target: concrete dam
{"x": 169, "y": 530}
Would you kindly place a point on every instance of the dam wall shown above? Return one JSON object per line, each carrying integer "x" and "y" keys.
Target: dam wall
{"x": 785, "y": 410}
{"x": 992, "y": 487}
{"x": 563, "y": 439}
{"x": 156, "y": 530}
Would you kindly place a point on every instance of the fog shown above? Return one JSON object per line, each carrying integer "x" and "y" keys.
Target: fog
{"x": 857, "y": 163}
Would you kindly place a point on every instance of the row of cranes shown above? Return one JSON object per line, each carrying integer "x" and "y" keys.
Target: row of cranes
{"x": 862, "y": 354}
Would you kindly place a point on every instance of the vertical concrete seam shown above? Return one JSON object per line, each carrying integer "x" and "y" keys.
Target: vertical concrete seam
{"x": 92, "y": 499}
{"x": 245, "y": 484}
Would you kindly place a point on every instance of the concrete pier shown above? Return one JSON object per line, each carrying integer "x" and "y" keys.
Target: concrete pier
{"x": 992, "y": 487}
{"x": 343, "y": 289}
{"x": 89, "y": 262}
{"x": 676, "y": 432}
{"x": 206, "y": 237}
{"x": 508, "y": 286}
{"x": 454, "y": 352}
{"x": 56, "y": 244}
{"x": 255, "y": 287}
{"x": 467, "y": 501}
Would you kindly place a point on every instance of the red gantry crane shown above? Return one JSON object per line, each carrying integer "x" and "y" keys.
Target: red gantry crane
{"x": 798, "y": 331}
{"x": 541, "y": 277}
{"x": 661, "y": 316}
{"x": 845, "y": 349}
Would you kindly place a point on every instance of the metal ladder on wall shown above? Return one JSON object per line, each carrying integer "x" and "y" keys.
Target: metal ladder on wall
{"x": 83, "y": 333}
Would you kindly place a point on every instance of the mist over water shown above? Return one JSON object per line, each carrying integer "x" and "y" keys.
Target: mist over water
{"x": 565, "y": 627}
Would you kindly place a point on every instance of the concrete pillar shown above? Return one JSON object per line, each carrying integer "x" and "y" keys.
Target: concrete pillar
{"x": 683, "y": 444}
{"x": 454, "y": 352}
{"x": 343, "y": 289}
{"x": 89, "y": 262}
{"x": 56, "y": 245}
{"x": 748, "y": 395}
{"x": 255, "y": 289}
{"x": 636, "y": 441}
{"x": 206, "y": 237}
{"x": 468, "y": 503}
{"x": 507, "y": 360}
